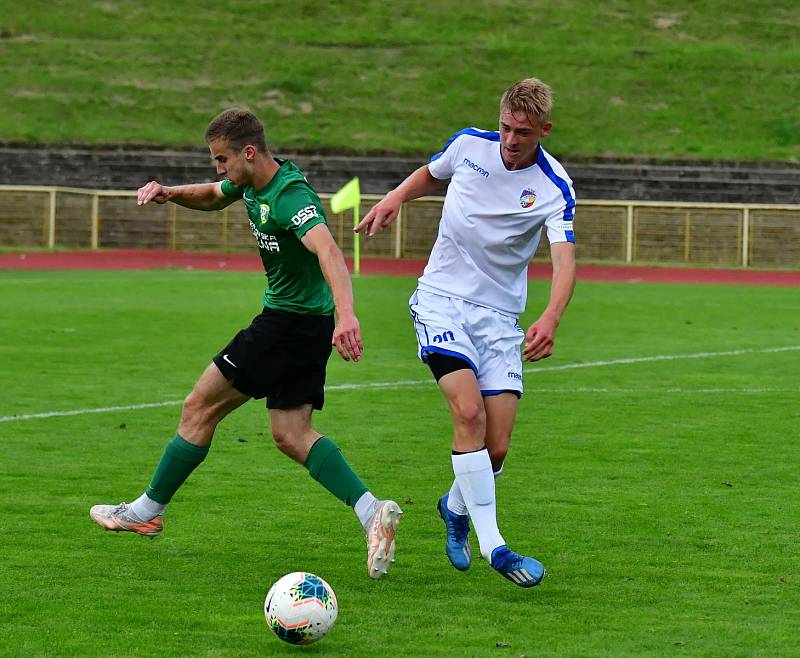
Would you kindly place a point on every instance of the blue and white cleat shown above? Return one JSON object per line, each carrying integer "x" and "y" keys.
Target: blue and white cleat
{"x": 457, "y": 545}
{"x": 519, "y": 569}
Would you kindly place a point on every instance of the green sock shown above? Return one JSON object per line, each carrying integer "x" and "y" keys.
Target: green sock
{"x": 327, "y": 465}
{"x": 180, "y": 458}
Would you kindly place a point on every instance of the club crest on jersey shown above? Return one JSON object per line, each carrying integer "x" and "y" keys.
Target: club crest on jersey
{"x": 264, "y": 211}
{"x": 527, "y": 198}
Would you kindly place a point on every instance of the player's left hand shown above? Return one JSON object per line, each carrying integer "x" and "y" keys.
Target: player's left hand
{"x": 347, "y": 338}
{"x": 539, "y": 339}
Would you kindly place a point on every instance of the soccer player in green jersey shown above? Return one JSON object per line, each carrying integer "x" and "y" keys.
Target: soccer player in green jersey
{"x": 282, "y": 355}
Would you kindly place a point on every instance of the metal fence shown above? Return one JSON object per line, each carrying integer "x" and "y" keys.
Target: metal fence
{"x": 708, "y": 234}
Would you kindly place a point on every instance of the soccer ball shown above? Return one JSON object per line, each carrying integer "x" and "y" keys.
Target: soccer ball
{"x": 300, "y": 608}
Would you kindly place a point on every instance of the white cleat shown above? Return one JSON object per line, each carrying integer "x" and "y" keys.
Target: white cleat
{"x": 380, "y": 537}
{"x": 119, "y": 518}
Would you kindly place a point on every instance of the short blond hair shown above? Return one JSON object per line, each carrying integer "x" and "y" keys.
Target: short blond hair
{"x": 530, "y": 96}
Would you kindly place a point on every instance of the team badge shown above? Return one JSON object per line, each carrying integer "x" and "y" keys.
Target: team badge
{"x": 527, "y": 198}
{"x": 264, "y": 211}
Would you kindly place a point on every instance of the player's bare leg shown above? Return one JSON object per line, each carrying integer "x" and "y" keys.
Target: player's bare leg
{"x": 212, "y": 398}
{"x": 295, "y": 437}
{"x": 472, "y": 466}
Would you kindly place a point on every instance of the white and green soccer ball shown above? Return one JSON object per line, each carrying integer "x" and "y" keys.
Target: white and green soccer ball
{"x": 300, "y": 608}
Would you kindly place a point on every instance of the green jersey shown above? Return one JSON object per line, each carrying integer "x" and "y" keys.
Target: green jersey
{"x": 280, "y": 214}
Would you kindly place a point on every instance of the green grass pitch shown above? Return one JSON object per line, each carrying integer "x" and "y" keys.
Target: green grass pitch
{"x": 653, "y": 470}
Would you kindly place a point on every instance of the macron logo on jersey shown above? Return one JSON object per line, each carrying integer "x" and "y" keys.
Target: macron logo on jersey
{"x": 476, "y": 167}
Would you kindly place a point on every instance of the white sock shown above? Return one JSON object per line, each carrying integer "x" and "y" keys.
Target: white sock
{"x": 473, "y": 472}
{"x": 146, "y": 508}
{"x": 365, "y": 508}
{"x": 455, "y": 501}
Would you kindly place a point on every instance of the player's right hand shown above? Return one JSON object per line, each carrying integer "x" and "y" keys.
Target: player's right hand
{"x": 380, "y": 216}
{"x": 347, "y": 337}
{"x": 153, "y": 191}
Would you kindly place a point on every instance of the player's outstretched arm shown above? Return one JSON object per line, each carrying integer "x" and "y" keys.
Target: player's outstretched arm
{"x": 347, "y": 333}
{"x": 198, "y": 196}
{"x": 541, "y": 335}
{"x": 383, "y": 213}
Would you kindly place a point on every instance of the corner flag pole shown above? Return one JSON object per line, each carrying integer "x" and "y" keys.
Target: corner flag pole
{"x": 350, "y": 197}
{"x": 356, "y": 241}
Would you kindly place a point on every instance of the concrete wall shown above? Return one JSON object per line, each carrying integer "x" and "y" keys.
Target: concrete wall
{"x": 130, "y": 167}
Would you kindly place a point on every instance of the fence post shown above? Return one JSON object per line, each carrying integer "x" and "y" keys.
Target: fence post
{"x": 173, "y": 225}
{"x": 398, "y": 234}
{"x": 51, "y": 222}
{"x": 95, "y": 220}
{"x": 225, "y": 240}
{"x": 629, "y": 234}
{"x": 745, "y": 237}
{"x": 687, "y": 235}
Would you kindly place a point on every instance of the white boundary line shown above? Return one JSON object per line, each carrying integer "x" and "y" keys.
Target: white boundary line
{"x": 96, "y": 410}
{"x": 665, "y": 357}
{"x": 419, "y": 382}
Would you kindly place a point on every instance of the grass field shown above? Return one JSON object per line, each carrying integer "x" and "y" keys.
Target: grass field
{"x": 653, "y": 470}
{"x": 681, "y": 78}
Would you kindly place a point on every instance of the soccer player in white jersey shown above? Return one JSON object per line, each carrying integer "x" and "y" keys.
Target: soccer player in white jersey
{"x": 504, "y": 189}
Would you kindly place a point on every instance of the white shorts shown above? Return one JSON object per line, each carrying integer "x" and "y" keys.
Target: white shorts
{"x": 489, "y": 341}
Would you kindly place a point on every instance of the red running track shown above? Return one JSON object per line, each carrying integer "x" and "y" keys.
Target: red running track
{"x": 136, "y": 259}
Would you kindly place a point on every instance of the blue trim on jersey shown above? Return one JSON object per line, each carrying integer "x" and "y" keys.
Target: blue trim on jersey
{"x": 561, "y": 184}
{"x": 428, "y": 348}
{"x": 491, "y": 135}
{"x": 492, "y": 392}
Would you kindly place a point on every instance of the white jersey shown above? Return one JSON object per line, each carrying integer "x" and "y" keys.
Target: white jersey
{"x": 492, "y": 220}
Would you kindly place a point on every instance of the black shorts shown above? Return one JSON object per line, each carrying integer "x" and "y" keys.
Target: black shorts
{"x": 281, "y": 356}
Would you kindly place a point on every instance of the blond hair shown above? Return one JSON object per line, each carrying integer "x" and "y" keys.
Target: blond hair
{"x": 531, "y": 97}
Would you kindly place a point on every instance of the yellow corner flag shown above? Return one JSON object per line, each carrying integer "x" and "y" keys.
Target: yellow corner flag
{"x": 350, "y": 197}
